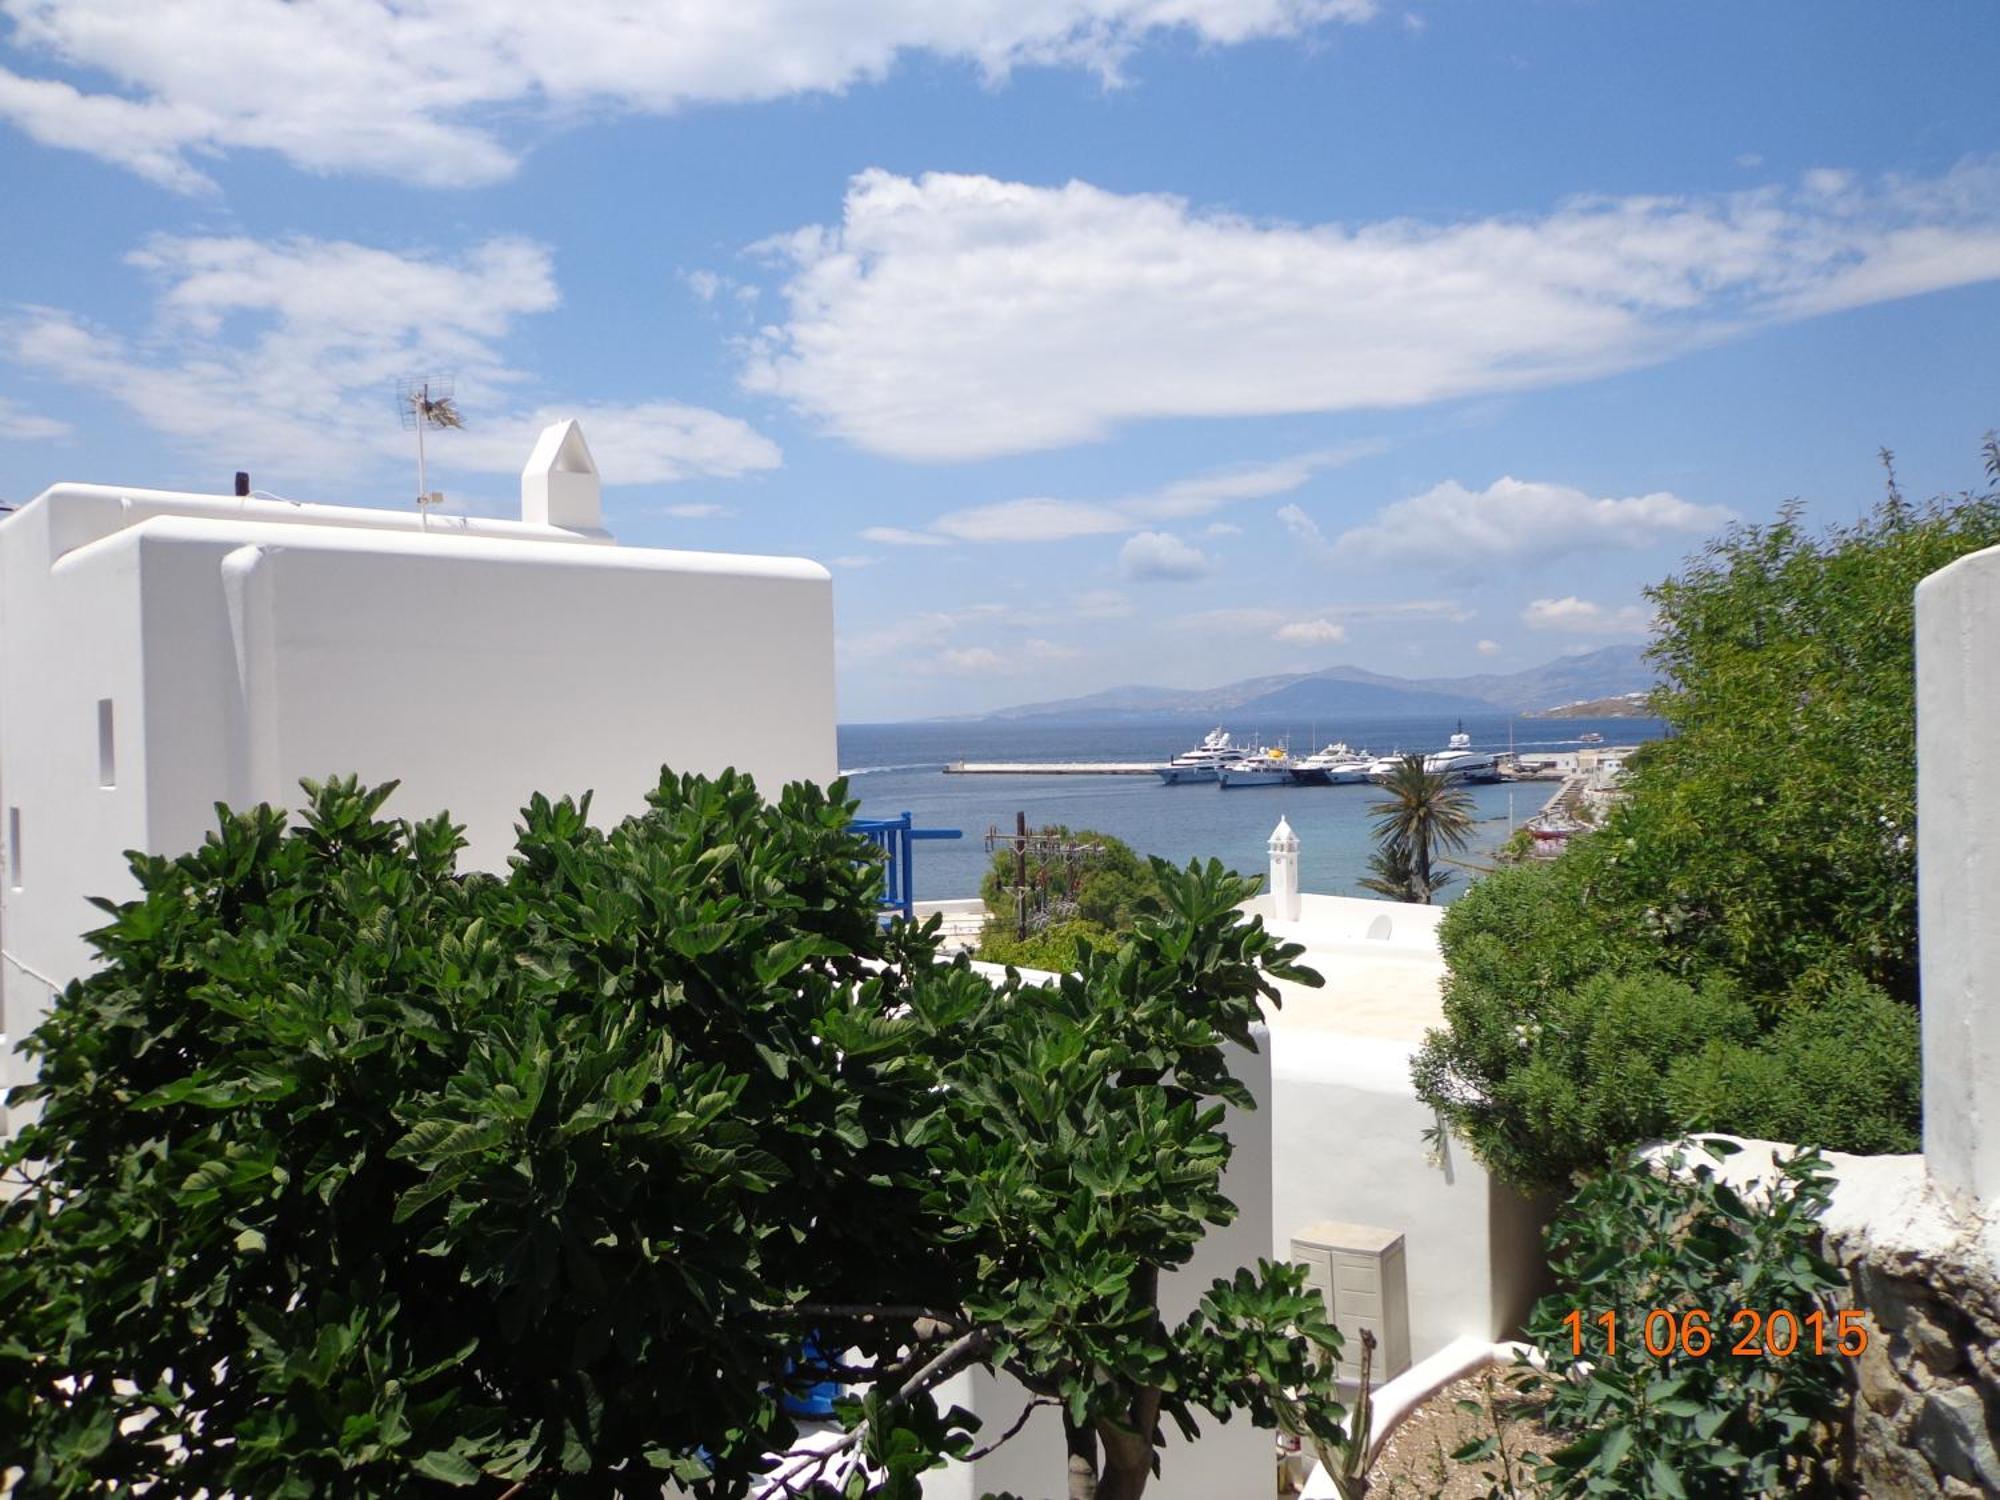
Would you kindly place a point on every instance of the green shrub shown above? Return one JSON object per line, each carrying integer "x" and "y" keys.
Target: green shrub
{"x": 355, "y": 1177}
{"x": 1576, "y": 1068}
{"x": 1090, "y": 900}
{"x": 453, "y": 1176}
{"x": 1764, "y": 858}
{"x": 1057, "y": 948}
{"x": 1699, "y": 1421}
{"x": 1854, "y": 1048}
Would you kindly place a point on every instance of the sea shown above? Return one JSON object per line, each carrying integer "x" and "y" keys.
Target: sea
{"x": 898, "y": 768}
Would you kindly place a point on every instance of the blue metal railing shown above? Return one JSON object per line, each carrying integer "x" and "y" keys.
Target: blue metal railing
{"x": 893, "y": 836}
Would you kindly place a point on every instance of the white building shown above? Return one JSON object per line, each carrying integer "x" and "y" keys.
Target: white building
{"x": 160, "y": 653}
{"x": 1356, "y": 1153}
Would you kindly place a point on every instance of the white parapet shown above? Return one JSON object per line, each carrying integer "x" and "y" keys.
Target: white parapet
{"x": 1958, "y": 871}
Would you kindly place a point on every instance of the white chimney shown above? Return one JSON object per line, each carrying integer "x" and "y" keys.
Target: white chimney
{"x": 1284, "y": 873}
{"x": 559, "y": 487}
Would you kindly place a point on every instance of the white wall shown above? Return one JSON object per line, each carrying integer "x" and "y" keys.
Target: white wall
{"x": 1349, "y": 1134}
{"x": 1230, "y": 1461}
{"x": 247, "y": 644}
{"x": 1958, "y": 871}
{"x": 62, "y": 648}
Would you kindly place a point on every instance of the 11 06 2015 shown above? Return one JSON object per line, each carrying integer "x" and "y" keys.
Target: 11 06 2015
{"x": 1748, "y": 1334}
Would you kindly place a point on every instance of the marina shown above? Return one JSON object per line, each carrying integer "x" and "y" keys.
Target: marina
{"x": 1103, "y": 778}
{"x": 1052, "y": 768}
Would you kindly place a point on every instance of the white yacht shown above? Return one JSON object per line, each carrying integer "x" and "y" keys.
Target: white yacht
{"x": 1260, "y": 768}
{"x": 1458, "y": 761}
{"x": 1380, "y": 770}
{"x": 1202, "y": 763}
{"x": 1333, "y": 765}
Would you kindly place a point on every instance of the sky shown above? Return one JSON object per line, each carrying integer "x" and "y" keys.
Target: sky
{"x": 1087, "y": 342}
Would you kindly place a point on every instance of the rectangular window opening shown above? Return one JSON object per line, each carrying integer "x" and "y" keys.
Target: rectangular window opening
{"x": 107, "y": 745}
{"x": 14, "y": 847}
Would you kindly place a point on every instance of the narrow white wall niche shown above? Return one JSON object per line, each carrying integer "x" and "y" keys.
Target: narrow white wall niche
{"x": 107, "y": 745}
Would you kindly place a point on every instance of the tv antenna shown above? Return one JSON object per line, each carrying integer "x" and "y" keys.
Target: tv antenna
{"x": 425, "y": 402}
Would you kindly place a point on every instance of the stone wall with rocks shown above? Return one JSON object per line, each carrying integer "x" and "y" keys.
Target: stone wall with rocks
{"x": 1925, "y": 1268}
{"x": 1927, "y": 1399}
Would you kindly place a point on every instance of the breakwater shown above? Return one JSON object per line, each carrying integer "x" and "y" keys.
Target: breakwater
{"x": 1052, "y": 768}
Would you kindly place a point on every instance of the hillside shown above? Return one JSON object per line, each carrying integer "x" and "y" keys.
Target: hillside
{"x": 1357, "y": 692}
{"x": 1624, "y": 706}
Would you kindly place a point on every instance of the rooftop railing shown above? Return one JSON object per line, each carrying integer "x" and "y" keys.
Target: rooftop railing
{"x": 894, "y": 837}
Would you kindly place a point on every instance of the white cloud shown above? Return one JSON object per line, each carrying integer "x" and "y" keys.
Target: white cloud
{"x": 1075, "y": 310}
{"x": 286, "y": 356}
{"x": 920, "y": 637}
{"x": 1576, "y": 616}
{"x": 1450, "y": 527}
{"x": 1311, "y": 633}
{"x": 853, "y": 562}
{"x": 901, "y": 536}
{"x": 1221, "y": 528}
{"x": 24, "y": 426}
{"x": 1015, "y": 660}
{"x": 698, "y": 511}
{"x": 1263, "y": 617}
{"x": 1101, "y": 604}
{"x": 1304, "y": 528}
{"x": 1488, "y": 648}
{"x": 972, "y": 661}
{"x": 648, "y": 442}
{"x": 411, "y": 88}
{"x": 1161, "y": 554}
{"x": 1040, "y": 519}
{"x": 1030, "y": 521}
{"x": 923, "y": 632}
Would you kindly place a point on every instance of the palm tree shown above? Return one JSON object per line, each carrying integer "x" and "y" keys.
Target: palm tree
{"x": 1422, "y": 817}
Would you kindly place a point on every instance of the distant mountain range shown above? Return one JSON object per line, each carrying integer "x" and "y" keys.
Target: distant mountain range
{"x": 1358, "y": 693}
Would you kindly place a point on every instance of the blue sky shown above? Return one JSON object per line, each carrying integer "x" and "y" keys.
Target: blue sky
{"x": 1088, "y": 341}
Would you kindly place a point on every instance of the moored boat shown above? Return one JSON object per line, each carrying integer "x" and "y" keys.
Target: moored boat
{"x": 1334, "y": 764}
{"x": 1458, "y": 761}
{"x": 1264, "y": 768}
{"x": 1202, "y": 763}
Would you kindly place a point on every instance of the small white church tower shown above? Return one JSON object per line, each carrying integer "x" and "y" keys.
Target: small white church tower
{"x": 559, "y": 487}
{"x": 1284, "y": 873}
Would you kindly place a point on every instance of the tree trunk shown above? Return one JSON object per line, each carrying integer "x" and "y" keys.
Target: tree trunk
{"x": 1128, "y": 1450}
{"x": 1081, "y": 1443}
{"x": 1128, "y": 1460}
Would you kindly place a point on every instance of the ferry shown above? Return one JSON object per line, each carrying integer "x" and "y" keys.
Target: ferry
{"x": 1205, "y": 761}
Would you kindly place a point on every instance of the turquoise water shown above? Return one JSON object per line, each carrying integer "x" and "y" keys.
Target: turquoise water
{"x": 894, "y": 768}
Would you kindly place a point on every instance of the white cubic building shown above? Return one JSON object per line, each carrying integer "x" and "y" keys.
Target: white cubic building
{"x": 1416, "y": 1241}
{"x": 161, "y": 652}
